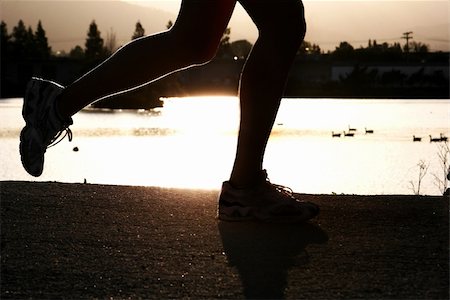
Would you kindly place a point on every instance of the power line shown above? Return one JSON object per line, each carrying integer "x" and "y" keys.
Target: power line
{"x": 436, "y": 40}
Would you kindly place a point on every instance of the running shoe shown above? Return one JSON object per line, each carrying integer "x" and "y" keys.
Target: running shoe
{"x": 43, "y": 126}
{"x": 266, "y": 202}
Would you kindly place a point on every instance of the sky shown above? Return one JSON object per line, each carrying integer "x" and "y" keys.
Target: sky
{"x": 329, "y": 21}
{"x": 355, "y": 21}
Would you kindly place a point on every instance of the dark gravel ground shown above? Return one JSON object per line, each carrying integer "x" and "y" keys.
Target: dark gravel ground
{"x": 81, "y": 241}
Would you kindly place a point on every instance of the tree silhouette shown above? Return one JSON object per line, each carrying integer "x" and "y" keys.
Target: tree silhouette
{"x": 224, "y": 45}
{"x": 4, "y": 32}
{"x": 30, "y": 50}
{"x": 111, "y": 42}
{"x": 380, "y": 52}
{"x": 308, "y": 48}
{"x": 139, "y": 31}
{"x": 94, "y": 43}
{"x": 20, "y": 39}
{"x": 4, "y": 54}
{"x": 419, "y": 47}
{"x": 4, "y": 40}
{"x": 241, "y": 48}
{"x": 343, "y": 51}
{"x": 42, "y": 50}
{"x": 77, "y": 53}
{"x": 23, "y": 43}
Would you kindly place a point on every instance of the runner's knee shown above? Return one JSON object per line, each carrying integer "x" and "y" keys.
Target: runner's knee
{"x": 201, "y": 50}
{"x": 281, "y": 21}
{"x": 197, "y": 47}
{"x": 289, "y": 32}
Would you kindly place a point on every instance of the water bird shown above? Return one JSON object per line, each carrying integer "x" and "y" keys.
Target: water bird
{"x": 351, "y": 129}
{"x": 368, "y": 130}
{"x": 333, "y": 134}
{"x": 416, "y": 139}
{"x": 432, "y": 139}
{"x": 443, "y": 138}
{"x": 348, "y": 133}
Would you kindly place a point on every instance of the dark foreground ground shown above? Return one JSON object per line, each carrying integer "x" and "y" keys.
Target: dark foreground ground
{"x": 91, "y": 241}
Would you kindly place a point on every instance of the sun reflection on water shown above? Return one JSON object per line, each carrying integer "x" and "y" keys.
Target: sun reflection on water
{"x": 191, "y": 143}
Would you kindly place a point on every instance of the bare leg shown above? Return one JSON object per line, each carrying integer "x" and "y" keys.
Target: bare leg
{"x": 246, "y": 196}
{"x": 193, "y": 39}
{"x": 281, "y": 26}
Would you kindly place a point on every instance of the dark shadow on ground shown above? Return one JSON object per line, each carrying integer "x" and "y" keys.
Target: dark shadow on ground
{"x": 264, "y": 253}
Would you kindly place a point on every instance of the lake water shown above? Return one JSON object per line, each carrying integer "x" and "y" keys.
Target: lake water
{"x": 190, "y": 143}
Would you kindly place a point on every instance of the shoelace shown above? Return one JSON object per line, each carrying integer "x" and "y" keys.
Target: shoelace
{"x": 285, "y": 190}
{"x": 59, "y": 137}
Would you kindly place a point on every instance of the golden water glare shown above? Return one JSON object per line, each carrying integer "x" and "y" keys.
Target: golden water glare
{"x": 191, "y": 143}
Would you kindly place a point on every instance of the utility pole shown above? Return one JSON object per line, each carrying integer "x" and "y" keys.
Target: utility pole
{"x": 407, "y": 37}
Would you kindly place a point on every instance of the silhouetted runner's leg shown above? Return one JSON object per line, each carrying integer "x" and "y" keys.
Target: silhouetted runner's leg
{"x": 192, "y": 40}
{"x": 249, "y": 195}
{"x": 48, "y": 107}
{"x": 281, "y": 26}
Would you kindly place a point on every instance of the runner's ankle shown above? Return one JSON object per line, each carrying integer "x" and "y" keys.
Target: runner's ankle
{"x": 241, "y": 182}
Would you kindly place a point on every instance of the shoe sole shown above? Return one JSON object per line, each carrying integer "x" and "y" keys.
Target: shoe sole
{"x": 29, "y": 110}
{"x": 26, "y": 137}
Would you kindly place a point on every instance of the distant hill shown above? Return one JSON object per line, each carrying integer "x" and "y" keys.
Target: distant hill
{"x": 329, "y": 22}
{"x": 66, "y": 22}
